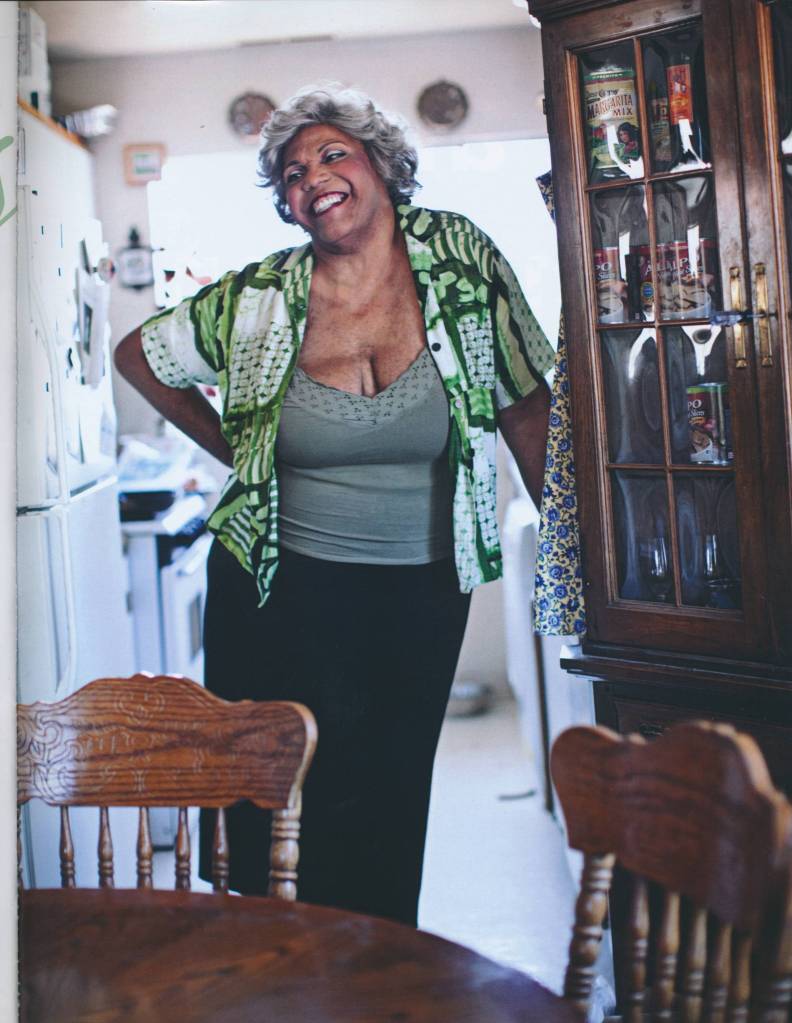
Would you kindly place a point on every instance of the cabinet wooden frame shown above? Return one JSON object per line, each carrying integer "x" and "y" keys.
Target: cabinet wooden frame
{"x": 767, "y": 246}
{"x": 745, "y": 634}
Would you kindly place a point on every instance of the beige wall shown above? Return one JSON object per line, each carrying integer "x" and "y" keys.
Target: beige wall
{"x": 181, "y": 100}
{"x": 8, "y": 951}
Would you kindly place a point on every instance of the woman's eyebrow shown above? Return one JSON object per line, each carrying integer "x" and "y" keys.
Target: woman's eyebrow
{"x": 324, "y": 145}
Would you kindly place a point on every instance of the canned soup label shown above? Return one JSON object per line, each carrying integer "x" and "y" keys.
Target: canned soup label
{"x": 706, "y": 404}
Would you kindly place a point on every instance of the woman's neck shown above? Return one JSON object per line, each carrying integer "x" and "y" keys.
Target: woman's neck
{"x": 352, "y": 267}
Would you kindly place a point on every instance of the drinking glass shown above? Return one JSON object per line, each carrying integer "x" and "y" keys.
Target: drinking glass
{"x": 718, "y": 583}
{"x": 654, "y": 557}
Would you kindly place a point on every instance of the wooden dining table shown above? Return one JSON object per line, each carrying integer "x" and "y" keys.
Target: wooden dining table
{"x": 101, "y": 955}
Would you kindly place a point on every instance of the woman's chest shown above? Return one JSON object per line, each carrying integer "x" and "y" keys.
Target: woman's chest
{"x": 363, "y": 349}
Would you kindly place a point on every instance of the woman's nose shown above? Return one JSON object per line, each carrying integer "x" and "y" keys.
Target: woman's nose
{"x": 313, "y": 176}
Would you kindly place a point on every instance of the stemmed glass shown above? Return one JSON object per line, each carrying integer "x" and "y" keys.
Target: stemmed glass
{"x": 717, "y": 582}
{"x": 654, "y": 556}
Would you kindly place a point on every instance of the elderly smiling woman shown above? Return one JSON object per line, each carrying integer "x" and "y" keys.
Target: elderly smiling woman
{"x": 363, "y": 376}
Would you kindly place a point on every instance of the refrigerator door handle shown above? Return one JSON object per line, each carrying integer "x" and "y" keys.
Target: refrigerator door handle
{"x": 66, "y": 682}
{"x": 38, "y": 323}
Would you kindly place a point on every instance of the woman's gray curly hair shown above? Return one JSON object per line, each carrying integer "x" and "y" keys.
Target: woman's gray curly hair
{"x": 384, "y": 138}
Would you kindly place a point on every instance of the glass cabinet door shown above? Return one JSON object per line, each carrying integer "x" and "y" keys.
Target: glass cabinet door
{"x": 673, "y": 555}
{"x": 763, "y": 43}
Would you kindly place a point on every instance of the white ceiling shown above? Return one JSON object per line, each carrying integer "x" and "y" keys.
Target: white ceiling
{"x": 78, "y": 29}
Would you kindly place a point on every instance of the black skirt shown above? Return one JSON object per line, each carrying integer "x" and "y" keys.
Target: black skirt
{"x": 371, "y": 650}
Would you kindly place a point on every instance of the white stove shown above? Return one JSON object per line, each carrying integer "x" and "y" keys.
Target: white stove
{"x": 167, "y": 574}
{"x": 167, "y": 556}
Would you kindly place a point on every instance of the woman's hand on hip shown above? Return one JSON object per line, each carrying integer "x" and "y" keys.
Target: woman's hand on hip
{"x": 186, "y": 408}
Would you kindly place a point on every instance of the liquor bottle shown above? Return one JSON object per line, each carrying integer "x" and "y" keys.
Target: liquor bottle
{"x": 679, "y": 78}
{"x": 659, "y": 125}
{"x": 676, "y": 100}
{"x": 686, "y": 99}
{"x": 656, "y": 89}
{"x": 633, "y": 229}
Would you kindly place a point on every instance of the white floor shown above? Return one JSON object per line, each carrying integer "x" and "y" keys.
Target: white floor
{"x": 496, "y": 876}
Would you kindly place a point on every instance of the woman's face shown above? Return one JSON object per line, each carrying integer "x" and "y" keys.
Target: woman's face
{"x": 331, "y": 187}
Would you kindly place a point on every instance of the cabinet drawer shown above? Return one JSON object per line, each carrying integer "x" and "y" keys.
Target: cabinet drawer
{"x": 652, "y": 719}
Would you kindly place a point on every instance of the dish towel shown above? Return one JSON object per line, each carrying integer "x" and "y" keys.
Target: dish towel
{"x": 558, "y": 588}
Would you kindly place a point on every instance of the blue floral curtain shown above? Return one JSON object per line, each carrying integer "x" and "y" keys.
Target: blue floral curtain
{"x": 558, "y": 590}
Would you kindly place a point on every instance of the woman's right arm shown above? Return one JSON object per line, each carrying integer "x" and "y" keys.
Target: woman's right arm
{"x": 186, "y": 408}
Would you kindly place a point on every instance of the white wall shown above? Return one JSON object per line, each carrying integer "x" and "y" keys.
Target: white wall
{"x": 181, "y": 100}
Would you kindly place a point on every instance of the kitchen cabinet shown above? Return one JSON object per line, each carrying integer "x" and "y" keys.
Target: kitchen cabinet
{"x": 670, "y": 127}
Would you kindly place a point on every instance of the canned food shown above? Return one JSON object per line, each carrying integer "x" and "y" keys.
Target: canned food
{"x": 610, "y": 101}
{"x": 611, "y": 289}
{"x": 687, "y": 285}
{"x": 707, "y": 405}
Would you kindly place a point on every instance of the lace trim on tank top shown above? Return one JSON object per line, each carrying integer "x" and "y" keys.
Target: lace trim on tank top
{"x": 405, "y": 391}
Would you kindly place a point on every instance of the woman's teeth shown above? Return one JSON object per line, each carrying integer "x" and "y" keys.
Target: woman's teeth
{"x": 324, "y": 202}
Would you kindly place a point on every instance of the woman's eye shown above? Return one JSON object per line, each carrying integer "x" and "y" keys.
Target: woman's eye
{"x": 334, "y": 154}
{"x": 291, "y": 177}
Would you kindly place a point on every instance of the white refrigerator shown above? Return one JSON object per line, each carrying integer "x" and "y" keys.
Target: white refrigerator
{"x": 73, "y": 622}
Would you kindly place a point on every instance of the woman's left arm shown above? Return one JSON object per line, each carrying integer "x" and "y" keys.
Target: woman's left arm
{"x": 524, "y": 428}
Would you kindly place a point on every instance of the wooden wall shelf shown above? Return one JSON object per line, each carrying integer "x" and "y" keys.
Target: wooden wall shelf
{"x": 50, "y": 123}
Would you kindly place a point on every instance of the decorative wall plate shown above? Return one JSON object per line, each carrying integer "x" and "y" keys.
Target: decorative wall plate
{"x": 248, "y": 114}
{"x": 443, "y": 105}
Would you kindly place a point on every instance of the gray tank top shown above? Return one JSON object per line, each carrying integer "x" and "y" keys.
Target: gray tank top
{"x": 366, "y": 479}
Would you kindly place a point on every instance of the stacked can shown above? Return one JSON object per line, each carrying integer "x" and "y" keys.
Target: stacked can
{"x": 708, "y": 421}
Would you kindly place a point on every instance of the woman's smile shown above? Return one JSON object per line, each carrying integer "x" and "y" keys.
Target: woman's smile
{"x": 327, "y": 201}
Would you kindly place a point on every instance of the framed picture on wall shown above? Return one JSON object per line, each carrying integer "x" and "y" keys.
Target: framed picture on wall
{"x": 143, "y": 162}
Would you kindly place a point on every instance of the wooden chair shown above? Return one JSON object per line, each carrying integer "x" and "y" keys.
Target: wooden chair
{"x": 703, "y": 842}
{"x": 166, "y": 741}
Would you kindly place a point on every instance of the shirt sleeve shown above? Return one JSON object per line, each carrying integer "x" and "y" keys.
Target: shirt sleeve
{"x": 523, "y": 355}
{"x": 181, "y": 344}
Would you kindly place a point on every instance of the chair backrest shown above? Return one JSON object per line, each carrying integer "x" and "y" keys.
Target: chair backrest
{"x": 703, "y": 843}
{"x": 165, "y": 741}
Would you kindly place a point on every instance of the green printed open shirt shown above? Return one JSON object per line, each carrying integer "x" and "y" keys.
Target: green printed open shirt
{"x": 242, "y": 334}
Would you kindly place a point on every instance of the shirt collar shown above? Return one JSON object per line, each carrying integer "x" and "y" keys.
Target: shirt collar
{"x": 417, "y": 224}
{"x": 299, "y": 262}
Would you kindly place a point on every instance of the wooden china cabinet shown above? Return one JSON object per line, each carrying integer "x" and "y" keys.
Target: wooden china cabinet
{"x": 670, "y": 125}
